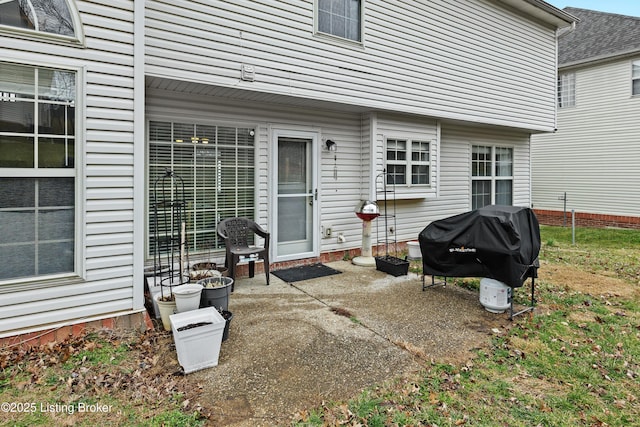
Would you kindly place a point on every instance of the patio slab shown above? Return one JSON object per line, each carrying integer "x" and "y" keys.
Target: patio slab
{"x": 294, "y": 346}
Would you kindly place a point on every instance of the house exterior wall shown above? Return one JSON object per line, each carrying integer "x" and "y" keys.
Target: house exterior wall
{"x": 455, "y": 83}
{"x": 415, "y": 57}
{"x": 105, "y": 173}
{"x": 594, "y": 155}
{"x": 356, "y": 134}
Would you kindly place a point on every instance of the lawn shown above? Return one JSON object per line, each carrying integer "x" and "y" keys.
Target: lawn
{"x": 575, "y": 361}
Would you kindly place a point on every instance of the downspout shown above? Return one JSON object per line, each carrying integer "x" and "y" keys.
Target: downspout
{"x": 138, "y": 153}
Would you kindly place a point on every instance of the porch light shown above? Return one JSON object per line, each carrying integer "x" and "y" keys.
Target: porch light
{"x": 331, "y": 145}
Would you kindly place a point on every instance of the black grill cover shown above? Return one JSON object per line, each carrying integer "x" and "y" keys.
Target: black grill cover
{"x": 499, "y": 242}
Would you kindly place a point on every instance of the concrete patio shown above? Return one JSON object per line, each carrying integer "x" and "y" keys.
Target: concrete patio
{"x": 294, "y": 346}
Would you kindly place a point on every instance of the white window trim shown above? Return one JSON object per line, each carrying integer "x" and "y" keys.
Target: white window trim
{"x": 409, "y": 162}
{"x": 635, "y": 62}
{"x": 78, "y": 172}
{"x": 26, "y": 33}
{"x": 493, "y": 177}
{"x": 564, "y": 93}
{"x": 340, "y": 40}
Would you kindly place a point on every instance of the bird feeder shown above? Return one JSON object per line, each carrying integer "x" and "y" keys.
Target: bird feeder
{"x": 367, "y": 211}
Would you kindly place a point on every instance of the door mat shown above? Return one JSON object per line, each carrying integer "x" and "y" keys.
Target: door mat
{"x": 305, "y": 272}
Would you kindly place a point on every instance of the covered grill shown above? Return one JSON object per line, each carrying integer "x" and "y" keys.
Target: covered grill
{"x": 497, "y": 242}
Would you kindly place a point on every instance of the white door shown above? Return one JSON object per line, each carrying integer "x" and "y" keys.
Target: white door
{"x": 295, "y": 193}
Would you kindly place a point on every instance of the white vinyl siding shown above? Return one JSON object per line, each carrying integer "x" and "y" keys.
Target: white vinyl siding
{"x": 471, "y": 60}
{"x": 105, "y": 171}
{"x": 594, "y": 154}
{"x": 341, "y": 173}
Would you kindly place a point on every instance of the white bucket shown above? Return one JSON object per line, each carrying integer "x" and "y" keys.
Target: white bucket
{"x": 187, "y": 297}
{"x": 494, "y": 295}
{"x": 414, "y": 249}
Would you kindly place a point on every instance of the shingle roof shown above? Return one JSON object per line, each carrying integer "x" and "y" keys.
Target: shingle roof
{"x": 598, "y": 35}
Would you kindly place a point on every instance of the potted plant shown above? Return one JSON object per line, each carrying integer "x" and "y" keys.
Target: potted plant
{"x": 215, "y": 292}
{"x": 166, "y": 299}
{"x": 187, "y": 297}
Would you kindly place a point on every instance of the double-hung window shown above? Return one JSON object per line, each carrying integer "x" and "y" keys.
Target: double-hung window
{"x": 217, "y": 166}
{"x": 340, "y": 18}
{"x": 37, "y": 171}
{"x": 566, "y": 90}
{"x": 408, "y": 162}
{"x": 635, "y": 78}
{"x": 491, "y": 176}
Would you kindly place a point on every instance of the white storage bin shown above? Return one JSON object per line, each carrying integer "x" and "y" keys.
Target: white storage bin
{"x": 198, "y": 336}
{"x": 413, "y": 247}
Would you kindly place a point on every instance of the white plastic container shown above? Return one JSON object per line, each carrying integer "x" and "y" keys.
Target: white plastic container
{"x": 187, "y": 297}
{"x": 495, "y": 296}
{"x": 198, "y": 336}
{"x": 414, "y": 249}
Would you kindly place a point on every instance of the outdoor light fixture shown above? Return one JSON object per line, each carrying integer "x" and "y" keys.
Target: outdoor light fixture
{"x": 331, "y": 146}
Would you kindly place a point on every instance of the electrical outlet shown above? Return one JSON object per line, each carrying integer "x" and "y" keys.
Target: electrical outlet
{"x": 328, "y": 232}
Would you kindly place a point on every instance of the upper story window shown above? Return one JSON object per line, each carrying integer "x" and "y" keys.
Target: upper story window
{"x": 408, "y": 162}
{"x": 42, "y": 16}
{"x": 635, "y": 78}
{"x": 340, "y": 18}
{"x": 566, "y": 90}
{"x": 37, "y": 171}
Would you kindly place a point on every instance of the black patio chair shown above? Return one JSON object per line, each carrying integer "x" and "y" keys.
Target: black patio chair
{"x": 237, "y": 234}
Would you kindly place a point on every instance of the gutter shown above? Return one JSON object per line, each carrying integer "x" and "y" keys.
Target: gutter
{"x": 543, "y": 11}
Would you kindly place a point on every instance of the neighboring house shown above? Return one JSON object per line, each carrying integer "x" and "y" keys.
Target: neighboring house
{"x": 239, "y": 99}
{"x": 594, "y": 156}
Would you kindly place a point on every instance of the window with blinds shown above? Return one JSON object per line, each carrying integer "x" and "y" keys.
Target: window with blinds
{"x": 217, "y": 165}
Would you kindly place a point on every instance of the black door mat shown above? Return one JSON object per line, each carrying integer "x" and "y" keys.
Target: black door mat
{"x": 305, "y": 272}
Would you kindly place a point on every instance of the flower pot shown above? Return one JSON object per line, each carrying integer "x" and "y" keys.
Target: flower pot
{"x": 227, "y": 315}
{"x": 197, "y": 335}
{"x": 166, "y": 308}
{"x": 392, "y": 265}
{"x": 215, "y": 292}
{"x": 187, "y": 297}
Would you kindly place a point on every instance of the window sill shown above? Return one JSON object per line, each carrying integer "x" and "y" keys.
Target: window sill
{"x": 340, "y": 41}
{"x": 10, "y": 287}
{"x": 410, "y": 193}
